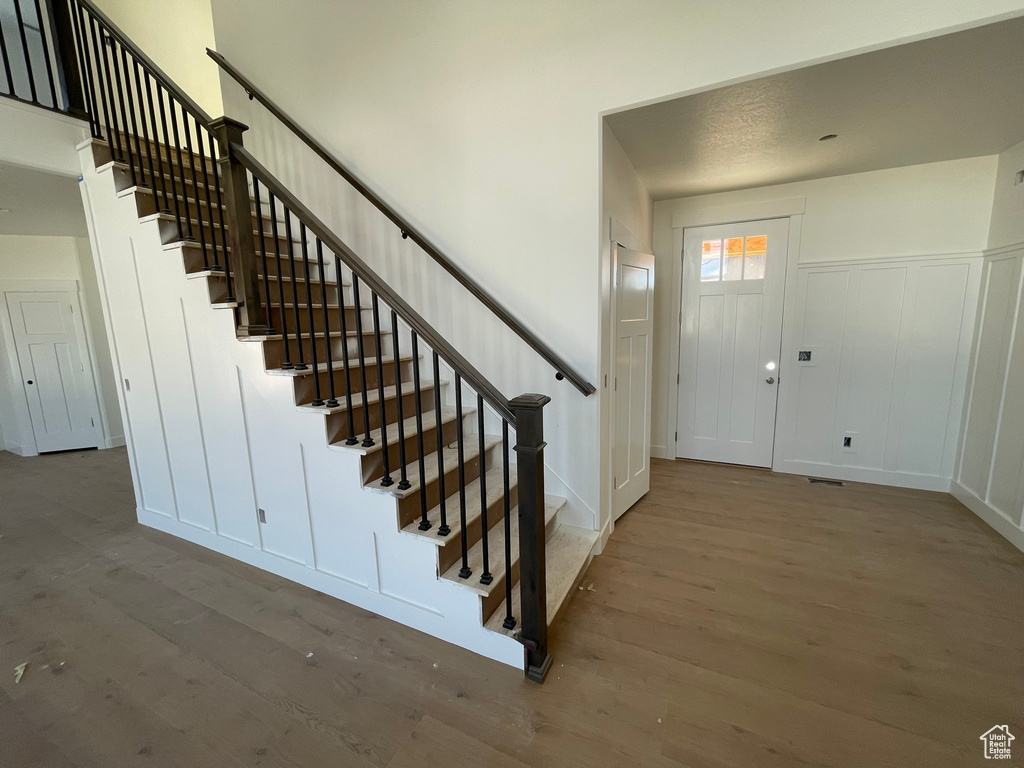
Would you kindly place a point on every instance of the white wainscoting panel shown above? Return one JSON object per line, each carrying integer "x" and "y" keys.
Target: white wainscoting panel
{"x": 890, "y": 346}
{"x": 990, "y": 469}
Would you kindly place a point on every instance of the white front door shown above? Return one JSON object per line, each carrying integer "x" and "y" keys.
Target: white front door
{"x": 633, "y": 323}
{"x": 55, "y": 369}
{"x": 734, "y": 278}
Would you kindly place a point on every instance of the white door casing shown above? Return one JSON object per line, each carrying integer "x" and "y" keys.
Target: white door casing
{"x": 632, "y": 357}
{"x": 730, "y": 340}
{"x": 55, "y": 369}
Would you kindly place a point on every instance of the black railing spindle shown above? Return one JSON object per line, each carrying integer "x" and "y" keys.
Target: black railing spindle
{"x": 103, "y": 73}
{"x": 182, "y": 177}
{"x": 135, "y": 123}
{"x": 46, "y": 56}
{"x": 485, "y": 577}
{"x": 245, "y": 232}
{"x": 170, "y": 164}
{"x": 351, "y": 439}
{"x": 124, "y": 112}
{"x": 6, "y": 59}
{"x": 262, "y": 247}
{"x": 156, "y": 162}
{"x": 420, "y": 460}
{"x": 209, "y": 209}
{"x": 82, "y": 44}
{"x": 396, "y": 356}
{"x": 287, "y": 365}
{"x": 367, "y": 440}
{"x": 318, "y": 399}
{"x": 386, "y": 480}
{"x": 444, "y": 530}
{"x": 332, "y": 400}
{"x": 224, "y": 231}
{"x": 297, "y": 314}
{"x": 464, "y": 572}
{"x": 24, "y": 49}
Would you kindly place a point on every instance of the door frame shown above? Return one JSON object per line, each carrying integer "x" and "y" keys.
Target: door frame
{"x": 781, "y": 209}
{"x": 22, "y": 414}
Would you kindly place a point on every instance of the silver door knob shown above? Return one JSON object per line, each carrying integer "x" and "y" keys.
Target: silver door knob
{"x": 770, "y": 379}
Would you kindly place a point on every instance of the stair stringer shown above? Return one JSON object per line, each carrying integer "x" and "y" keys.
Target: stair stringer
{"x": 212, "y": 438}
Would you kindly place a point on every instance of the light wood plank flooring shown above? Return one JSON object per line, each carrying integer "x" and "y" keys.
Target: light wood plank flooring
{"x": 737, "y": 618}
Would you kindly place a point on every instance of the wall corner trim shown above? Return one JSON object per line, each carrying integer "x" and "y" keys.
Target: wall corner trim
{"x": 999, "y": 522}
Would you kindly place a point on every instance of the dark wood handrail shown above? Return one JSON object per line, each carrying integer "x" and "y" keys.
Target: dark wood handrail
{"x": 562, "y": 368}
{"x": 334, "y": 243}
{"x": 155, "y": 72}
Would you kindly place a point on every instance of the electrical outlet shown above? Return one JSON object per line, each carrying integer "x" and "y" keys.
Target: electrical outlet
{"x": 261, "y": 515}
{"x": 848, "y": 444}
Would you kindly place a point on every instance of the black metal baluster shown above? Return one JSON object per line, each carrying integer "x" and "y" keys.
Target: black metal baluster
{"x": 332, "y": 401}
{"x": 318, "y": 399}
{"x": 263, "y": 251}
{"x": 486, "y": 577}
{"x": 301, "y": 365}
{"x": 24, "y": 50}
{"x": 170, "y": 162}
{"x": 209, "y": 212}
{"x": 6, "y": 60}
{"x": 103, "y": 73}
{"x": 86, "y": 62}
{"x": 181, "y": 168}
{"x": 287, "y": 364}
{"x": 135, "y": 126}
{"x": 124, "y": 111}
{"x": 46, "y": 56}
{"x": 464, "y": 572}
{"x": 367, "y": 440}
{"x": 444, "y": 530}
{"x": 224, "y": 229}
{"x": 510, "y": 621}
{"x": 403, "y": 482}
{"x": 145, "y": 133}
{"x": 386, "y": 481}
{"x": 352, "y": 439}
{"x": 195, "y": 193}
{"x": 421, "y": 461}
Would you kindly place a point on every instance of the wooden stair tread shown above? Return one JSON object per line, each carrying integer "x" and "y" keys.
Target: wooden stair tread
{"x": 451, "y": 463}
{"x": 351, "y": 334}
{"x": 220, "y": 273}
{"x": 496, "y": 553}
{"x": 409, "y": 429}
{"x": 495, "y": 491}
{"x": 339, "y": 365}
{"x": 372, "y": 397}
{"x": 566, "y": 555}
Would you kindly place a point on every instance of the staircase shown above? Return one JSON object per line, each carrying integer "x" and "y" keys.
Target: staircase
{"x": 444, "y": 471}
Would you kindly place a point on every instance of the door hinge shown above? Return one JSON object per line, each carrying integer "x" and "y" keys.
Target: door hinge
{"x": 616, "y": 383}
{"x": 680, "y": 318}
{"x": 92, "y": 421}
{"x": 127, "y": 385}
{"x": 677, "y": 379}
{"x": 677, "y": 437}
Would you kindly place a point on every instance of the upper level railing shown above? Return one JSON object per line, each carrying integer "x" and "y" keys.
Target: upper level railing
{"x": 30, "y": 58}
{"x": 221, "y": 201}
{"x": 562, "y": 367}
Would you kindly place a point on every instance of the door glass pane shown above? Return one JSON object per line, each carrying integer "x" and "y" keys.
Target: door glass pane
{"x": 711, "y": 261}
{"x": 753, "y": 261}
{"x": 732, "y": 268}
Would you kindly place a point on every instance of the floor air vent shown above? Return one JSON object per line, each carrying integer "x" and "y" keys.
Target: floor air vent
{"x": 820, "y": 481}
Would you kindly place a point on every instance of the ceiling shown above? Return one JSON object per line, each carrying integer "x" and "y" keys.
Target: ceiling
{"x": 40, "y": 203}
{"x": 959, "y": 95}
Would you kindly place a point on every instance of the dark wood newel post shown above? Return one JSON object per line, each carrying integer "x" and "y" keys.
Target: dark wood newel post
{"x": 252, "y": 315}
{"x": 68, "y": 74}
{"x": 529, "y": 413}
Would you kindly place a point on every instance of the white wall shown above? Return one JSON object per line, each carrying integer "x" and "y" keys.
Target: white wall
{"x": 175, "y": 35}
{"x": 481, "y": 122}
{"x": 53, "y": 258}
{"x": 990, "y": 469}
{"x": 36, "y": 138}
{"x": 884, "y": 290}
{"x": 1007, "y": 227}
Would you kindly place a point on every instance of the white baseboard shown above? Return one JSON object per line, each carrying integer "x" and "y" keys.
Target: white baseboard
{"x": 863, "y": 475}
{"x": 489, "y": 644}
{"x": 660, "y": 452}
{"x": 999, "y": 522}
{"x": 117, "y": 441}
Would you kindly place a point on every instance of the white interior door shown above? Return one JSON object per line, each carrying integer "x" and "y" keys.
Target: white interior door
{"x": 633, "y": 322}
{"x": 55, "y": 369}
{"x": 734, "y": 278}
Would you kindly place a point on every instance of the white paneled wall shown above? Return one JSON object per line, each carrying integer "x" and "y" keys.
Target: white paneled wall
{"x": 890, "y": 344}
{"x": 990, "y": 469}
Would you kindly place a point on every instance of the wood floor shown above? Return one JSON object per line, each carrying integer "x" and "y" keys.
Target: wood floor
{"x": 737, "y": 618}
